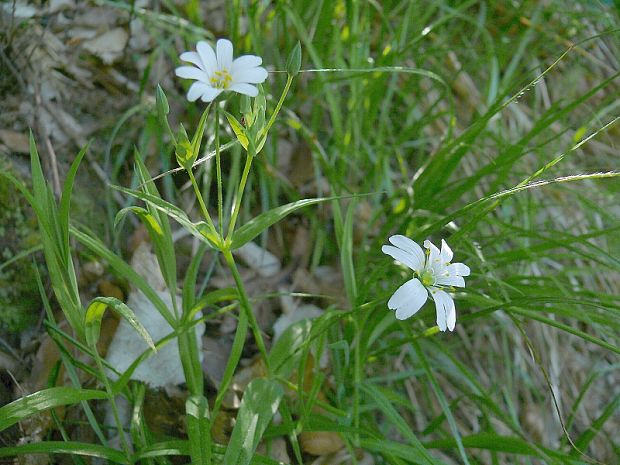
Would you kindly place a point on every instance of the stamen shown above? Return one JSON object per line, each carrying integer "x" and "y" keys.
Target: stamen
{"x": 221, "y": 79}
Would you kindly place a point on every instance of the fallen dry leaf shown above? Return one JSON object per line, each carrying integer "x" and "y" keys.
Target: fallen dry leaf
{"x": 108, "y": 46}
{"x": 164, "y": 368}
{"x": 320, "y": 442}
{"x": 15, "y": 141}
{"x": 260, "y": 260}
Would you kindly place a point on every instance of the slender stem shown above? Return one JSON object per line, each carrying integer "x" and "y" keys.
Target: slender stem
{"x": 248, "y": 161}
{"x": 203, "y": 207}
{"x": 357, "y": 379}
{"x": 218, "y": 164}
{"x": 108, "y": 388}
{"x": 231, "y": 365}
{"x": 237, "y": 207}
{"x": 272, "y": 119}
{"x": 246, "y": 306}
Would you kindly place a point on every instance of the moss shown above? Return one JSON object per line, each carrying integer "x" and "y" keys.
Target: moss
{"x": 19, "y": 296}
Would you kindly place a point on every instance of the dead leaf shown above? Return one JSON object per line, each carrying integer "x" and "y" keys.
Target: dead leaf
{"x": 277, "y": 450}
{"x": 260, "y": 260}
{"x": 216, "y": 353}
{"x": 285, "y": 320}
{"x": 163, "y": 368}
{"x": 15, "y": 141}
{"x": 320, "y": 442}
{"x": 108, "y": 46}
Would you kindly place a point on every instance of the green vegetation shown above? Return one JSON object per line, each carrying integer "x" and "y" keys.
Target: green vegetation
{"x": 492, "y": 125}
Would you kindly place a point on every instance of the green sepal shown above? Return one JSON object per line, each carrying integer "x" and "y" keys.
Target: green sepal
{"x": 238, "y": 129}
{"x": 183, "y": 149}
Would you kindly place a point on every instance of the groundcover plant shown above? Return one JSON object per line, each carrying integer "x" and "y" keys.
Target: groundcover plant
{"x": 253, "y": 276}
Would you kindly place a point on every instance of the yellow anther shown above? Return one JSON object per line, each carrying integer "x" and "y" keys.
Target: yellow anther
{"x": 221, "y": 79}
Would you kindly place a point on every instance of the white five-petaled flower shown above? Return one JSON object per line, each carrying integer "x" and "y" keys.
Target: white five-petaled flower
{"x": 216, "y": 71}
{"x": 432, "y": 273}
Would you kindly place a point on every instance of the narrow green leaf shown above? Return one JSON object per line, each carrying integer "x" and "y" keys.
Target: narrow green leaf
{"x": 259, "y": 404}
{"x": 43, "y": 400}
{"x": 400, "y": 424}
{"x": 346, "y": 255}
{"x": 199, "y": 429}
{"x": 390, "y": 448}
{"x": 199, "y": 229}
{"x": 284, "y": 355}
{"x": 586, "y": 437}
{"x": 61, "y": 447}
{"x": 257, "y": 225}
{"x": 65, "y": 200}
{"x": 123, "y": 269}
{"x": 191, "y": 275}
{"x": 505, "y": 444}
{"x": 96, "y": 309}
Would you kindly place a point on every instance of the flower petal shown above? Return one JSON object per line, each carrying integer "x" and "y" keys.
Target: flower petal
{"x": 446, "y": 252}
{"x": 252, "y": 75}
{"x": 245, "y": 89}
{"x": 196, "y": 90}
{"x": 403, "y": 257}
{"x": 435, "y": 254}
{"x": 456, "y": 281}
{"x": 224, "y": 49}
{"x": 192, "y": 57}
{"x": 406, "y": 244}
{"x": 245, "y": 62}
{"x": 446, "y": 312}
{"x": 408, "y": 299}
{"x": 207, "y": 56}
{"x": 210, "y": 94}
{"x": 458, "y": 269}
{"x": 191, "y": 72}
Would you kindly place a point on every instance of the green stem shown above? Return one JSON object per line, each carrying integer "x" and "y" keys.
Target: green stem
{"x": 237, "y": 207}
{"x": 218, "y": 164}
{"x": 190, "y": 360}
{"x": 203, "y": 207}
{"x": 357, "y": 379}
{"x": 108, "y": 388}
{"x": 246, "y": 306}
{"x": 233, "y": 361}
{"x": 248, "y": 161}
{"x": 272, "y": 119}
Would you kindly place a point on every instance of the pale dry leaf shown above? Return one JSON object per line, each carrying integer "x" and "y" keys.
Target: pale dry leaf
{"x": 260, "y": 260}
{"x": 108, "y": 46}
{"x": 216, "y": 353}
{"x": 164, "y": 368}
{"x": 59, "y": 5}
{"x": 277, "y": 450}
{"x": 303, "y": 312}
{"x": 16, "y": 12}
{"x": 15, "y": 141}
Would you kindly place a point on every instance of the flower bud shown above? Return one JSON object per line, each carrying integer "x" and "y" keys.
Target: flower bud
{"x": 293, "y": 62}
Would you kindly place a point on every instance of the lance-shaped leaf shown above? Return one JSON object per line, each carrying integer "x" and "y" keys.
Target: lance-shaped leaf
{"x": 43, "y": 400}
{"x": 94, "y": 314}
{"x": 198, "y": 429}
{"x": 201, "y": 230}
{"x": 257, "y": 225}
{"x": 260, "y": 402}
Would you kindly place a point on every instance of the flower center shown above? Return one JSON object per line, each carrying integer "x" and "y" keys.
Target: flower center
{"x": 427, "y": 277}
{"x": 221, "y": 79}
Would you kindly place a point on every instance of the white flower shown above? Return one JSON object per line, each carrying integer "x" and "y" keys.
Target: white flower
{"x": 216, "y": 71}
{"x": 433, "y": 273}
